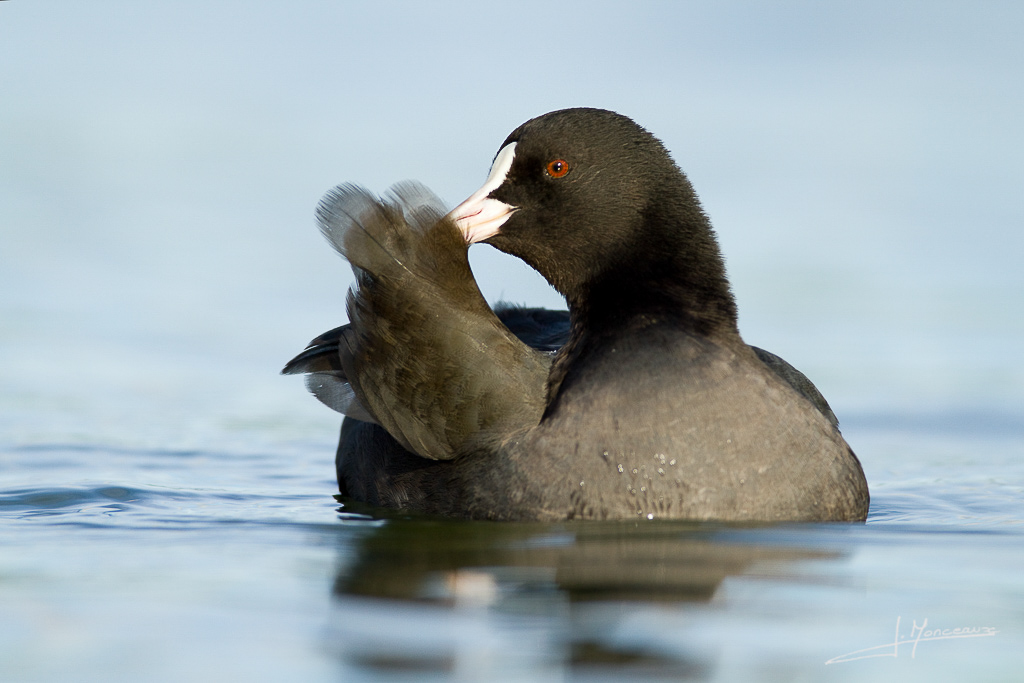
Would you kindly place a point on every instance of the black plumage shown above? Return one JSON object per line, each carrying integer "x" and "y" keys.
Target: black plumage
{"x": 653, "y": 406}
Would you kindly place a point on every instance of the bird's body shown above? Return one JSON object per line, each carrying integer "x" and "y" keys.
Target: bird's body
{"x": 654, "y": 406}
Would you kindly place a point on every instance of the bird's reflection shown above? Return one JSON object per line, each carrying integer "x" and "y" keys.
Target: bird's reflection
{"x": 493, "y": 600}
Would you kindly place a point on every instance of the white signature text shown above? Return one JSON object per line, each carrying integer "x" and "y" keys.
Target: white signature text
{"x": 919, "y": 633}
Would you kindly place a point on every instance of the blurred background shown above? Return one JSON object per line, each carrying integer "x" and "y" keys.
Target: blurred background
{"x": 166, "y": 495}
{"x": 159, "y": 165}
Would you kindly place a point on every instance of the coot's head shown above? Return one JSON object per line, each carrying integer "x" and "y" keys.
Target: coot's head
{"x": 589, "y": 198}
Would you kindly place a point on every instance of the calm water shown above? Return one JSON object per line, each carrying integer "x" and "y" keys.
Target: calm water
{"x": 166, "y": 509}
{"x": 140, "y": 563}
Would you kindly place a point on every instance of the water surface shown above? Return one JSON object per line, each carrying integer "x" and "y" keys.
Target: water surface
{"x": 119, "y": 565}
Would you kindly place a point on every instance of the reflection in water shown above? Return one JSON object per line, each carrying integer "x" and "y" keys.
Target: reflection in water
{"x": 490, "y": 601}
{"x": 435, "y": 560}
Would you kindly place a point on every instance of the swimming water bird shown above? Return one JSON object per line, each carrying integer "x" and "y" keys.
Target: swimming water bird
{"x": 641, "y": 402}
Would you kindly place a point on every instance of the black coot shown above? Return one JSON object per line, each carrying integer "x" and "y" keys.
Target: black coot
{"x": 652, "y": 406}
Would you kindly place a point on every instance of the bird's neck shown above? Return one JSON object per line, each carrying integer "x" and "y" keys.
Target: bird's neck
{"x": 626, "y": 301}
{"x": 672, "y": 273}
{"x": 661, "y": 293}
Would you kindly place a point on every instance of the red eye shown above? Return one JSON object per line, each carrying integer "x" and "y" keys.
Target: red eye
{"x": 558, "y": 168}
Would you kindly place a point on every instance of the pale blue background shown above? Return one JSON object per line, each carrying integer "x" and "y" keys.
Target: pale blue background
{"x": 862, "y": 163}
